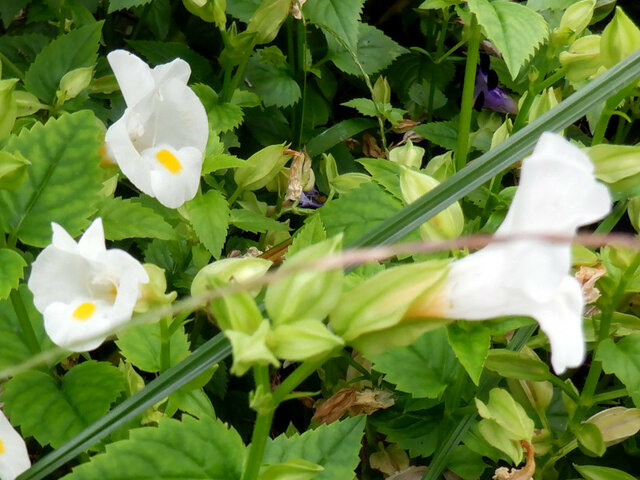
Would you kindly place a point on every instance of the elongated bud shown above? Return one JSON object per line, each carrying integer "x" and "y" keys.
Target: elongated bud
{"x": 575, "y": 19}
{"x": 542, "y": 103}
{"x": 261, "y": 167}
{"x": 74, "y": 82}
{"x": 502, "y": 133}
{"x": 8, "y": 106}
{"x": 441, "y": 167}
{"x": 615, "y": 162}
{"x": 349, "y": 181}
{"x": 381, "y": 91}
{"x": 617, "y": 424}
{"x": 211, "y": 11}
{"x": 582, "y": 60}
{"x": 303, "y": 340}
{"x": 446, "y": 224}
{"x": 408, "y": 155}
{"x": 619, "y": 39}
{"x": 267, "y": 19}
{"x": 152, "y": 294}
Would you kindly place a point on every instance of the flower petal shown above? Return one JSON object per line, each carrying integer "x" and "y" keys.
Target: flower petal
{"x": 177, "y": 69}
{"x": 77, "y": 335}
{"x": 91, "y": 244}
{"x": 133, "y": 75}
{"x": 173, "y": 189}
{"x": 131, "y": 274}
{"x": 14, "y": 458}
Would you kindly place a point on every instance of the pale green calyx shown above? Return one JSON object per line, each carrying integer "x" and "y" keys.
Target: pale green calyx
{"x": 408, "y": 155}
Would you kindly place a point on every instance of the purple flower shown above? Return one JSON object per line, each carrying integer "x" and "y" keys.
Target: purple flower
{"x": 487, "y": 94}
{"x": 311, "y": 199}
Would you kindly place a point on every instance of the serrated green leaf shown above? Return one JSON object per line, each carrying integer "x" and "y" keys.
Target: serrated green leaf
{"x": 14, "y": 349}
{"x": 62, "y": 182}
{"x": 222, "y": 116}
{"x": 141, "y": 346}
{"x": 342, "y": 16}
{"x": 312, "y": 232}
{"x": 334, "y": 447}
{"x": 13, "y": 170}
{"x": 209, "y": 216}
{"x": 385, "y": 173}
{"x": 192, "y": 401}
{"x": 156, "y": 52}
{"x": 76, "y": 49}
{"x": 358, "y": 211}
{"x": 425, "y": 368}
{"x": 273, "y": 83}
{"x": 337, "y": 133}
{"x": 515, "y": 29}
{"x": 416, "y": 432}
{"x": 115, "y": 5}
{"x": 8, "y": 10}
{"x": 250, "y": 221}
{"x": 124, "y": 218}
{"x": 189, "y": 449}
{"x": 374, "y": 51}
{"x": 21, "y": 50}
{"x": 444, "y": 134}
{"x": 623, "y": 360}
{"x": 429, "y": 4}
{"x": 470, "y": 342}
{"x": 466, "y": 463}
{"x": 52, "y": 411}
{"x": 363, "y": 105}
{"x": 11, "y": 270}
{"x": 593, "y": 472}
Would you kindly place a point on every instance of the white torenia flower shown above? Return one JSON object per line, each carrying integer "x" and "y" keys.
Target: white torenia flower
{"x": 82, "y": 289}
{"x": 557, "y": 194}
{"x": 159, "y": 141}
{"x": 14, "y": 458}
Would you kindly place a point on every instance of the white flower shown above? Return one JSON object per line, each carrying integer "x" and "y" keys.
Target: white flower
{"x": 557, "y": 194}
{"x": 14, "y": 458}
{"x": 82, "y": 289}
{"x": 160, "y": 140}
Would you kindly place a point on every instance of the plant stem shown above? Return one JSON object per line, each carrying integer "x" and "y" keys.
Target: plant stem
{"x": 229, "y": 88}
{"x": 25, "y": 324}
{"x": 5, "y": 61}
{"x": 462, "y": 148}
{"x": 234, "y": 196}
{"x": 610, "y": 395}
{"x": 262, "y": 426}
{"x": 165, "y": 345}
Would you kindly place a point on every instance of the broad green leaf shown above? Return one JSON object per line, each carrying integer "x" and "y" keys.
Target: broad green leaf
{"x": 470, "y": 342}
{"x": 222, "y": 116}
{"x": 341, "y": 16}
{"x": 9, "y": 10}
{"x": 115, "y": 5}
{"x": 515, "y": 29}
{"x": 141, "y": 346}
{"x": 415, "y": 431}
{"x": 125, "y": 218}
{"x": 52, "y": 411}
{"x": 272, "y": 82}
{"x": 593, "y": 472}
{"x": 363, "y": 105}
{"x": 21, "y": 50}
{"x": 312, "y": 232}
{"x": 358, "y": 211}
{"x": 507, "y": 413}
{"x": 337, "y": 133}
{"x": 623, "y": 360}
{"x": 156, "y": 52}
{"x": 243, "y": 9}
{"x": 444, "y": 134}
{"x": 62, "y": 182}
{"x": 334, "y": 447}
{"x": 519, "y": 365}
{"x": 209, "y": 215}
{"x": 424, "y": 369}
{"x": 385, "y": 173}
{"x": 8, "y": 106}
{"x": 429, "y": 4}
{"x": 76, "y": 49}
{"x": 192, "y": 401}
{"x": 14, "y": 348}
{"x": 250, "y": 221}
{"x": 374, "y": 50}
{"x": 13, "y": 170}
{"x": 466, "y": 463}
{"x": 590, "y": 439}
{"x": 188, "y": 449}
{"x": 11, "y": 270}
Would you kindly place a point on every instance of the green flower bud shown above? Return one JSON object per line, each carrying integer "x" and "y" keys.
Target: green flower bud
{"x": 8, "y": 106}
{"x": 615, "y": 162}
{"x": 582, "y": 60}
{"x": 381, "y": 91}
{"x": 633, "y": 210}
{"x": 27, "y": 103}
{"x": 542, "y": 103}
{"x": 349, "y": 181}
{"x": 294, "y": 469}
{"x": 13, "y": 170}
{"x": 250, "y": 349}
{"x": 303, "y": 340}
{"x": 441, "y": 167}
{"x": 619, "y": 39}
{"x": 230, "y": 269}
{"x": 576, "y": 18}
{"x": 211, "y": 11}
{"x": 407, "y": 155}
{"x": 152, "y": 293}
{"x": 446, "y": 224}
{"x": 267, "y": 19}
{"x": 328, "y": 167}
{"x": 74, "y": 82}
{"x": 616, "y": 424}
{"x": 261, "y": 167}
{"x": 502, "y": 133}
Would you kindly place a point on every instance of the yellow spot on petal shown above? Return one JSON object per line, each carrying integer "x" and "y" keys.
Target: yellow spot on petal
{"x": 1, "y": 447}
{"x": 169, "y": 161}
{"x": 84, "y": 311}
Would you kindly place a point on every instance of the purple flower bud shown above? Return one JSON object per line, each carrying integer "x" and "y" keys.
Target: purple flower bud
{"x": 487, "y": 94}
{"x": 311, "y": 199}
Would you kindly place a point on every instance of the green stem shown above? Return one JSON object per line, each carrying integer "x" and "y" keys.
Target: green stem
{"x": 464, "y": 128}
{"x": 229, "y": 88}
{"x": 165, "y": 345}
{"x": 234, "y": 196}
{"x": 613, "y": 218}
{"x": 301, "y": 39}
{"x": 564, "y": 387}
{"x": 262, "y": 426}
{"x": 25, "y": 324}
{"x": 5, "y": 61}
{"x": 298, "y": 376}
{"x": 610, "y": 395}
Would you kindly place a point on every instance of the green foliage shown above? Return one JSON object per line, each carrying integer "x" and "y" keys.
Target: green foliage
{"x": 514, "y": 28}
{"x": 250, "y": 221}
{"x": 593, "y": 472}
{"x": 424, "y": 369}
{"x": 62, "y": 182}
{"x": 115, "y": 5}
{"x": 190, "y": 448}
{"x": 53, "y": 412}
{"x": 334, "y": 447}
{"x": 11, "y": 271}
{"x": 126, "y": 218}
{"x": 51, "y": 64}
{"x": 222, "y": 116}
{"x": 209, "y": 216}
{"x": 622, "y": 359}
{"x": 444, "y": 134}
{"x": 342, "y": 17}
{"x": 271, "y": 79}
{"x": 470, "y": 342}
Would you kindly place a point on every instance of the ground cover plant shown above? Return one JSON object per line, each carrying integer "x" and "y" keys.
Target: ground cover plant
{"x": 319, "y": 239}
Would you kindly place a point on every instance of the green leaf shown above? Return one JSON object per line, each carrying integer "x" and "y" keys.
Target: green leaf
{"x": 115, "y": 5}
{"x": 385, "y": 173}
{"x": 593, "y": 472}
{"x": 335, "y": 447}
{"x": 429, "y": 4}
{"x": 416, "y": 431}
{"x": 272, "y": 82}
{"x": 374, "y": 51}
{"x": 62, "y": 182}
{"x": 312, "y": 232}
{"x": 342, "y": 16}
{"x": 466, "y": 463}
{"x": 364, "y": 105}
{"x": 337, "y": 133}
{"x": 243, "y": 9}
{"x": 125, "y": 218}
{"x": 13, "y": 170}
{"x": 515, "y": 29}
{"x": 623, "y": 360}
{"x": 424, "y": 369}
{"x": 358, "y": 210}
{"x": 162, "y": 52}
{"x": 590, "y": 439}
{"x": 192, "y": 401}
{"x": 188, "y": 449}
{"x": 11, "y": 270}
{"x": 209, "y": 215}
{"x": 76, "y": 49}
{"x": 8, "y": 10}
{"x": 13, "y": 347}
{"x": 510, "y": 364}
{"x": 470, "y": 342}
{"x": 444, "y": 134}
{"x": 250, "y": 221}
{"x": 141, "y": 346}
{"x": 222, "y": 116}
{"x": 52, "y": 411}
